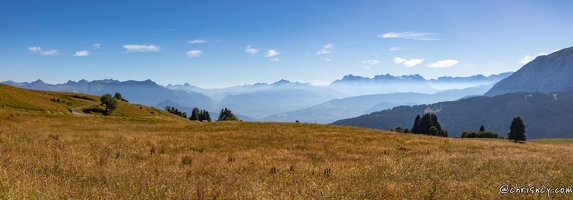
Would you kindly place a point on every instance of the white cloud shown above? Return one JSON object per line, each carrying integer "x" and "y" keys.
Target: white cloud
{"x": 96, "y": 45}
{"x": 398, "y": 60}
{"x": 412, "y": 62}
{"x": 443, "y": 64}
{"x": 251, "y": 51}
{"x": 275, "y": 59}
{"x": 370, "y": 62}
{"x": 271, "y": 53}
{"x": 35, "y": 49}
{"x": 327, "y": 60}
{"x": 198, "y": 41}
{"x": 528, "y": 58}
{"x": 141, "y": 48}
{"x": 407, "y": 62}
{"x": 42, "y": 52}
{"x": 194, "y": 53}
{"x": 82, "y": 53}
{"x": 326, "y": 49}
{"x": 395, "y": 48}
{"x": 408, "y": 35}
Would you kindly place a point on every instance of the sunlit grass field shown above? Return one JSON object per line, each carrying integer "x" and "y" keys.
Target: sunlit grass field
{"x": 47, "y": 153}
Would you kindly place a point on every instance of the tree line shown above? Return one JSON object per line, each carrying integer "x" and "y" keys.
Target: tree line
{"x": 203, "y": 115}
{"x": 428, "y": 124}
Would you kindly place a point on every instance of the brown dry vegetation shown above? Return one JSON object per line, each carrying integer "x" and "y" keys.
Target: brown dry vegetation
{"x": 138, "y": 155}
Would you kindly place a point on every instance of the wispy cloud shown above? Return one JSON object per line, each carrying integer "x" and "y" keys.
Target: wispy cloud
{"x": 271, "y": 53}
{"x": 395, "y": 49}
{"x": 326, "y": 49}
{"x": 35, "y": 49}
{"x": 198, "y": 41}
{"x": 250, "y": 50}
{"x": 327, "y": 60}
{"x": 407, "y": 62}
{"x": 49, "y": 52}
{"x": 370, "y": 62}
{"x": 96, "y": 45}
{"x": 528, "y": 58}
{"x": 194, "y": 53}
{"x": 141, "y": 48}
{"x": 82, "y": 53}
{"x": 443, "y": 64}
{"x": 275, "y": 59}
{"x": 39, "y": 50}
{"x": 408, "y": 35}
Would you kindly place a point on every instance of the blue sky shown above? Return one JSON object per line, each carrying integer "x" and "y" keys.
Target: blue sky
{"x": 226, "y": 43}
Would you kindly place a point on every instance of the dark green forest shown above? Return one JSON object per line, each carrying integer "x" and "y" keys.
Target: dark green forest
{"x": 544, "y": 115}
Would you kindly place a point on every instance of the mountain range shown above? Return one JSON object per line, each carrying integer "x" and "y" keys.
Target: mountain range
{"x": 540, "y": 93}
{"x": 288, "y": 101}
{"x": 546, "y": 73}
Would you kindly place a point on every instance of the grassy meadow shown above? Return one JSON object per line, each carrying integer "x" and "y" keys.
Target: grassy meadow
{"x": 48, "y": 153}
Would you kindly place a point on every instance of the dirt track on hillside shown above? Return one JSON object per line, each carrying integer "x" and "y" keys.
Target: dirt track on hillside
{"x": 76, "y": 113}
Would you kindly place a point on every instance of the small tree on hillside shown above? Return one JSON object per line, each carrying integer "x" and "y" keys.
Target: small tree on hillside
{"x": 118, "y": 96}
{"x": 194, "y": 114}
{"x": 109, "y": 102}
{"x": 433, "y": 131}
{"x": 516, "y": 130}
{"x": 227, "y": 115}
{"x": 481, "y": 129}
{"x": 206, "y": 116}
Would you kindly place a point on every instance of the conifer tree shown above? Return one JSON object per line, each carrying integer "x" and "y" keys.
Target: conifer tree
{"x": 227, "y": 115}
{"x": 207, "y": 116}
{"x": 195, "y": 114}
{"x": 516, "y": 130}
{"x": 416, "y": 127}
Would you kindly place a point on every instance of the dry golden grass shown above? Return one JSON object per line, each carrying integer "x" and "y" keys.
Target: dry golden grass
{"x": 53, "y": 156}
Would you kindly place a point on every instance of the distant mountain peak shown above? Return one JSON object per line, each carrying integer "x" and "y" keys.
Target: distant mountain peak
{"x": 550, "y": 73}
{"x": 282, "y": 81}
{"x": 39, "y": 81}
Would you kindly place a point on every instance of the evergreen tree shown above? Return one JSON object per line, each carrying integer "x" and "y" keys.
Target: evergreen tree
{"x": 207, "y": 116}
{"x": 227, "y": 115}
{"x": 416, "y": 127}
{"x": 195, "y": 114}
{"x": 406, "y": 130}
{"x": 516, "y": 130}
{"x": 425, "y": 124}
{"x": 481, "y": 129}
{"x": 434, "y": 121}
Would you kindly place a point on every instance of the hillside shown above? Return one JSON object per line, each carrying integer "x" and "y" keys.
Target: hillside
{"x": 59, "y": 104}
{"x": 141, "y": 92}
{"x": 138, "y": 155}
{"x": 546, "y": 73}
{"x": 544, "y": 116}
